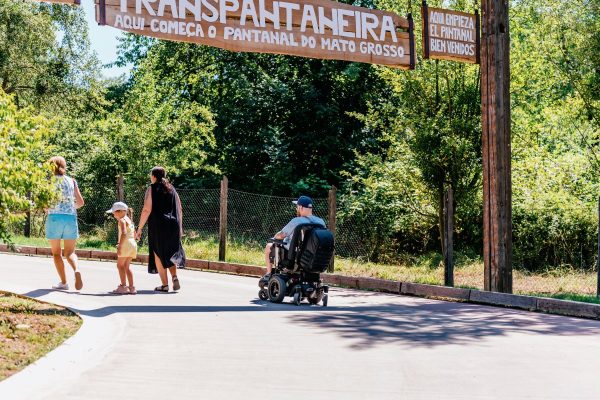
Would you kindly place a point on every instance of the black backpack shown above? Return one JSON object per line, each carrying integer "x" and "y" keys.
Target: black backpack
{"x": 317, "y": 249}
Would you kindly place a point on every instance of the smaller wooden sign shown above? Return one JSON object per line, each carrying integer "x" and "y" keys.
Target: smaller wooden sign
{"x": 450, "y": 35}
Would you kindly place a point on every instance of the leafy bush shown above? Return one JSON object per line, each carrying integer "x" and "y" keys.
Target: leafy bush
{"x": 560, "y": 236}
{"x": 23, "y": 173}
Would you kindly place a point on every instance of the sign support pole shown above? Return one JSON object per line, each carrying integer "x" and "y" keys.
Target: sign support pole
{"x": 411, "y": 32}
{"x": 449, "y": 237}
{"x": 425, "y": 17}
{"x": 477, "y": 37}
{"x": 495, "y": 110}
{"x": 598, "y": 259}
{"x": 102, "y": 14}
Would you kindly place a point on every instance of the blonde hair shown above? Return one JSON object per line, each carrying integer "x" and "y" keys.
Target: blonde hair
{"x": 59, "y": 165}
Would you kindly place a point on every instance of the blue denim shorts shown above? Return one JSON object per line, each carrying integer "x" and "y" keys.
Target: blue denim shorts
{"x": 62, "y": 226}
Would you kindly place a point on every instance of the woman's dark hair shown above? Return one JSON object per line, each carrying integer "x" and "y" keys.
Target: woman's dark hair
{"x": 161, "y": 178}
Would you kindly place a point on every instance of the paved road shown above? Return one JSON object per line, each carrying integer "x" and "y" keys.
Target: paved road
{"x": 215, "y": 340}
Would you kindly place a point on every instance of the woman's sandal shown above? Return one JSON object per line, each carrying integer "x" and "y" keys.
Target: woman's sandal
{"x": 176, "y": 285}
{"x": 163, "y": 288}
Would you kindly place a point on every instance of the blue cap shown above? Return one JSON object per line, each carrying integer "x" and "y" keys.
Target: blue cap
{"x": 304, "y": 201}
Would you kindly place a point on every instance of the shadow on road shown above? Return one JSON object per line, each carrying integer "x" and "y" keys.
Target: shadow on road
{"x": 372, "y": 319}
{"x": 430, "y": 324}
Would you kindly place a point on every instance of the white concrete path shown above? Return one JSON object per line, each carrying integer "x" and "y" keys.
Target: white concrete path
{"x": 215, "y": 340}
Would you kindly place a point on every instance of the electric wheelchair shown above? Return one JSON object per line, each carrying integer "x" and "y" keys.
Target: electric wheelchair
{"x": 297, "y": 271}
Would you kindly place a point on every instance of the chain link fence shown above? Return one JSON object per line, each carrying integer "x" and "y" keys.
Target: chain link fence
{"x": 253, "y": 218}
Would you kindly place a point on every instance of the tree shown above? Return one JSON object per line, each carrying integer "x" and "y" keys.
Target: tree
{"x": 283, "y": 124}
{"x": 555, "y": 132}
{"x": 45, "y": 60}
{"x": 24, "y": 182}
{"x": 430, "y": 121}
{"x": 432, "y": 128}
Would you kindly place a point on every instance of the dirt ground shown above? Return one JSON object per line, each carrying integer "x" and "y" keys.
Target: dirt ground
{"x": 29, "y": 329}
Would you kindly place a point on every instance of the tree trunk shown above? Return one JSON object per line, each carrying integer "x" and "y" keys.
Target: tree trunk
{"x": 441, "y": 223}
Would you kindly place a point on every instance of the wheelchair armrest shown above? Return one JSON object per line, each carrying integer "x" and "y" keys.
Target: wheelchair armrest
{"x": 276, "y": 241}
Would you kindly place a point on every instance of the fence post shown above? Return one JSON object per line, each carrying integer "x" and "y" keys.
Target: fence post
{"x": 449, "y": 233}
{"x": 598, "y": 260}
{"x": 332, "y": 212}
{"x": 120, "y": 188}
{"x": 223, "y": 219}
{"x": 27, "y": 227}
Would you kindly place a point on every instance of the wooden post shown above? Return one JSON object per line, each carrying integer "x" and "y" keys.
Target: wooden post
{"x": 411, "y": 32}
{"x": 102, "y": 12}
{"x": 27, "y": 227}
{"x": 425, "y": 20}
{"x": 449, "y": 237}
{"x": 120, "y": 188}
{"x": 495, "y": 110}
{"x": 477, "y": 37}
{"x": 332, "y": 213}
{"x": 223, "y": 220}
{"x": 598, "y": 260}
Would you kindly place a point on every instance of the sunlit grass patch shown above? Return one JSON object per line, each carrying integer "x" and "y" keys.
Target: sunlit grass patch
{"x": 29, "y": 329}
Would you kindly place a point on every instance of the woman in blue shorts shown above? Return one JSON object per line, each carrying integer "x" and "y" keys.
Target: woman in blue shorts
{"x": 61, "y": 223}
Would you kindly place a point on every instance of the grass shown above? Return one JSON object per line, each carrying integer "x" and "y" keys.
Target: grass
{"x": 575, "y": 297}
{"x": 562, "y": 283}
{"x": 29, "y": 329}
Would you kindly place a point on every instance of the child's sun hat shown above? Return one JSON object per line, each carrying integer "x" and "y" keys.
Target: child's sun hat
{"x": 118, "y": 206}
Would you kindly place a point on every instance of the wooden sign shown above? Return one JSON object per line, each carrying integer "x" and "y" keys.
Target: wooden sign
{"x": 307, "y": 28}
{"x": 450, "y": 35}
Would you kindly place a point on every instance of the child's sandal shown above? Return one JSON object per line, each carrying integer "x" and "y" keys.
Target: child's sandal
{"x": 176, "y": 285}
{"x": 163, "y": 288}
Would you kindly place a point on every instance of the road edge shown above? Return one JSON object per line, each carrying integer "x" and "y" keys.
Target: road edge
{"x": 529, "y": 303}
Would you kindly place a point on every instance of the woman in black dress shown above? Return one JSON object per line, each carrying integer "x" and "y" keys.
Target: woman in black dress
{"x": 162, "y": 211}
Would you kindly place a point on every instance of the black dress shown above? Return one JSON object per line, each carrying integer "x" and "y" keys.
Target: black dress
{"x": 164, "y": 237}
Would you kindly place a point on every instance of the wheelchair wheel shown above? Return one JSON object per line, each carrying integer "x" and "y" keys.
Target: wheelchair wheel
{"x": 277, "y": 288}
{"x": 263, "y": 294}
{"x": 297, "y": 298}
{"x": 316, "y": 300}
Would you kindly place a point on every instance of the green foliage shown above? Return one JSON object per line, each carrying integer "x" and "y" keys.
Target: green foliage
{"x": 44, "y": 58}
{"x": 23, "y": 172}
{"x": 282, "y": 124}
{"x": 432, "y": 132}
{"x": 555, "y": 133}
{"x": 388, "y": 205}
{"x": 431, "y": 124}
{"x": 168, "y": 129}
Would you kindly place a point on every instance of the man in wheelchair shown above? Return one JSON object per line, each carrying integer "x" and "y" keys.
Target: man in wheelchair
{"x": 298, "y": 253}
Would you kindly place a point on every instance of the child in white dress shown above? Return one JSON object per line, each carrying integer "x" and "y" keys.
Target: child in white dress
{"x": 127, "y": 247}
